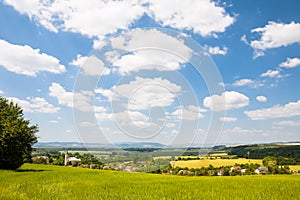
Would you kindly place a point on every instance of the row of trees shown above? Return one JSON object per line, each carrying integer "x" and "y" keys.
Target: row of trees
{"x": 248, "y": 169}
{"x": 58, "y": 158}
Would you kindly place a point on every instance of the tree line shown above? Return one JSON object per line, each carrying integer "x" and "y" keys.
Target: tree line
{"x": 285, "y": 155}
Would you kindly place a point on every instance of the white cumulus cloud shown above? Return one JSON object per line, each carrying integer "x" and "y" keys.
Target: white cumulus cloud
{"x": 105, "y": 93}
{"x": 237, "y": 130}
{"x": 228, "y": 100}
{"x": 99, "y": 18}
{"x": 290, "y": 63}
{"x": 35, "y": 105}
{"x": 190, "y": 112}
{"x": 271, "y": 73}
{"x": 290, "y": 123}
{"x": 27, "y": 61}
{"x": 290, "y": 109}
{"x": 261, "y": 98}
{"x": 93, "y": 18}
{"x": 243, "y": 82}
{"x": 149, "y": 60}
{"x": 217, "y": 50}
{"x": 143, "y": 93}
{"x": 150, "y": 49}
{"x": 78, "y": 100}
{"x": 203, "y": 17}
{"x": 63, "y": 97}
{"x": 91, "y": 65}
{"x": 275, "y": 35}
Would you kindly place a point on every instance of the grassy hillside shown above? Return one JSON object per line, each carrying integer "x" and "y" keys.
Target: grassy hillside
{"x": 54, "y": 182}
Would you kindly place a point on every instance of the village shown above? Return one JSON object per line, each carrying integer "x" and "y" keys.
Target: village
{"x": 212, "y": 164}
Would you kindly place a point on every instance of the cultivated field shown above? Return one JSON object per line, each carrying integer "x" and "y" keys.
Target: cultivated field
{"x": 295, "y": 168}
{"x": 55, "y": 182}
{"x": 213, "y": 162}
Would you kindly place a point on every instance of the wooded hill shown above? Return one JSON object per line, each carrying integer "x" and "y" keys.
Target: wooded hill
{"x": 259, "y": 151}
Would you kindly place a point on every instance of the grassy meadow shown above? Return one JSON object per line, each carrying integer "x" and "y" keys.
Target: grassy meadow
{"x": 56, "y": 182}
{"x": 214, "y": 162}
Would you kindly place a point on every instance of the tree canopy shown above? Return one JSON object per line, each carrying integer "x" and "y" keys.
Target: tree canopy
{"x": 16, "y": 135}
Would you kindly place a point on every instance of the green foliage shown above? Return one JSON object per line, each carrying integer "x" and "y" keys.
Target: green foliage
{"x": 269, "y": 161}
{"x": 55, "y": 182}
{"x": 288, "y": 154}
{"x": 16, "y": 135}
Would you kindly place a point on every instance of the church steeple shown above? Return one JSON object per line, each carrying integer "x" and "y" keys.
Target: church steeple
{"x": 66, "y": 158}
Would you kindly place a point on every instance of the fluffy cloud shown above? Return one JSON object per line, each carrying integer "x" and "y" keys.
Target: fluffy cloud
{"x": 127, "y": 120}
{"x": 79, "y": 100}
{"x": 25, "y": 60}
{"x": 64, "y": 98}
{"x": 148, "y": 38}
{"x": 105, "y": 93}
{"x": 237, "y": 130}
{"x": 261, "y": 98}
{"x": 35, "y": 105}
{"x": 136, "y": 118}
{"x": 290, "y": 63}
{"x": 149, "y": 60}
{"x": 143, "y": 93}
{"x": 90, "y": 65}
{"x": 275, "y": 35}
{"x": 278, "y": 111}
{"x": 228, "y": 100}
{"x": 1, "y": 92}
{"x": 228, "y": 119}
{"x": 290, "y": 123}
{"x": 150, "y": 49}
{"x": 78, "y": 62}
{"x": 203, "y": 17}
{"x": 81, "y": 17}
{"x": 217, "y": 50}
{"x": 248, "y": 82}
{"x": 243, "y": 82}
{"x": 271, "y": 73}
{"x": 190, "y": 112}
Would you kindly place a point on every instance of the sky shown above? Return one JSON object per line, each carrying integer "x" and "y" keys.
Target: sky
{"x": 173, "y": 72}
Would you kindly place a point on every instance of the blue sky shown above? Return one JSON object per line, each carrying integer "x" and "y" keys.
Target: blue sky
{"x": 119, "y": 71}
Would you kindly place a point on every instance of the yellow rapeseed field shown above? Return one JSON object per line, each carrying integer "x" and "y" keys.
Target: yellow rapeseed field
{"x": 295, "y": 168}
{"x": 214, "y": 162}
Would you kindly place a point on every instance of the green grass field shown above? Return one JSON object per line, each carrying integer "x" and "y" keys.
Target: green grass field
{"x": 55, "y": 182}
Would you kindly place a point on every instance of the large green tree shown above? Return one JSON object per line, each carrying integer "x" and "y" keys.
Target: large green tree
{"x": 16, "y": 135}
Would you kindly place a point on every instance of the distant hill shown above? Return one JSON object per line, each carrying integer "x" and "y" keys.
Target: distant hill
{"x": 58, "y": 145}
{"x": 78, "y": 145}
{"x": 140, "y": 145}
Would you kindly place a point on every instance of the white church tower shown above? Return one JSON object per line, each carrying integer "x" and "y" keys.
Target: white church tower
{"x": 66, "y": 158}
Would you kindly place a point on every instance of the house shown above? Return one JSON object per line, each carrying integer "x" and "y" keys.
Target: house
{"x": 221, "y": 172}
{"x": 261, "y": 170}
{"x": 184, "y": 172}
{"x": 129, "y": 169}
{"x": 235, "y": 168}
